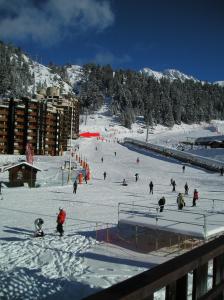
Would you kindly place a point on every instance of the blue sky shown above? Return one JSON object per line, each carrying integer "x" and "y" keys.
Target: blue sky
{"x": 186, "y": 35}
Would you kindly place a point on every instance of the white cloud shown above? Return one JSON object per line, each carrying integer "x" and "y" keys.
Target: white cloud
{"x": 51, "y": 20}
{"x": 106, "y": 57}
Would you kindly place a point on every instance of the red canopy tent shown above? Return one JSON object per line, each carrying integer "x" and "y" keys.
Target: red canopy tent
{"x": 89, "y": 134}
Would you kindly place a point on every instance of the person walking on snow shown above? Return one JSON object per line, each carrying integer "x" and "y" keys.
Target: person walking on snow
{"x": 151, "y": 187}
{"x": 183, "y": 168}
{"x": 137, "y": 160}
{"x": 60, "y": 221}
{"x": 136, "y": 177}
{"x": 180, "y": 201}
{"x": 195, "y": 197}
{"x": 104, "y": 175}
{"x": 102, "y": 159}
{"x": 174, "y": 186}
{"x": 161, "y": 203}
{"x": 186, "y": 188}
{"x": 115, "y": 153}
{"x": 75, "y": 185}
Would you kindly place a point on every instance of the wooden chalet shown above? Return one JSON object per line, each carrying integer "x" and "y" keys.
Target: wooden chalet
{"x": 21, "y": 173}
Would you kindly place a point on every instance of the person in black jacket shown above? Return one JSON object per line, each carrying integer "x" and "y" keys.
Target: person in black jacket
{"x": 75, "y": 186}
{"x": 186, "y": 188}
{"x": 151, "y": 187}
{"x": 161, "y": 203}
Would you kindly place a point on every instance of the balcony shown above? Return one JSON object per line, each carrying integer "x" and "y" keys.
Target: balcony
{"x": 3, "y": 118}
{"x": 18, "y": 119}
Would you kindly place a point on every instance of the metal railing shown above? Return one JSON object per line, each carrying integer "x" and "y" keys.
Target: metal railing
{"x": 152, "y": 212}
{"x": 173, "y": 276}
{"x": 210, "y": 164}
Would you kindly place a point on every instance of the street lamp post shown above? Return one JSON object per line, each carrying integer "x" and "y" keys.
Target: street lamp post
{"x": 70, "y": 157}
{"x": 62, "y": 175}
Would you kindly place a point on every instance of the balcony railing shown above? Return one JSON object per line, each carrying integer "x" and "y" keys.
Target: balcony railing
{"x": 173, "y": 276}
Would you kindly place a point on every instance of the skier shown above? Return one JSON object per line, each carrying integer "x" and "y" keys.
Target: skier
{"x": 96, "y": 148}
{"x": 102, "y": 159}
{"x": 195, "y": 197}
{"x": 137, "y": 160}
{"x": 171, "y": 181}
{"x": 180, "y": 201}
{"x": 183, "y": 168}
{"x": 186, "y": 188}
{"x": 104, "y": 175}
{"x": 75, "y": 185}
{"x": 136, "y": 177}
{"x": 151, "y": 187}
{"x": 60, "y": 221}
{"x": 38, "y": 223}
{"x": 174, "y": 186}
{"x": 124, "y": 183}
{"x": 161, "y": 203}
{"x": 221, "y": 171}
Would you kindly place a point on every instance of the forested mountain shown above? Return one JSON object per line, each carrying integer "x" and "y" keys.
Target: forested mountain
{"x": 21, "y": 76}
{"x": 15, "y": 76}
{"x": 166, "y": 98}
{"x": 160, "y": 102}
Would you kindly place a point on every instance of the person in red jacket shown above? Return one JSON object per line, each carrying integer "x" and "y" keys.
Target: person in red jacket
{"x": 60, "y": 221}
{"x": 195, "y": 197}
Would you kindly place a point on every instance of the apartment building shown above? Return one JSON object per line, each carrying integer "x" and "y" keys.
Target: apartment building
{"x": 44, "y": 122}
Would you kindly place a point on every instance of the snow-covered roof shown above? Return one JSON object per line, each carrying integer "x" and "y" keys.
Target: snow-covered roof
{"x": 11, "y": 166}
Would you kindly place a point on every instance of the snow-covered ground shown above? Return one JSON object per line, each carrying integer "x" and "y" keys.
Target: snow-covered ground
{"x": 82, "y": 262}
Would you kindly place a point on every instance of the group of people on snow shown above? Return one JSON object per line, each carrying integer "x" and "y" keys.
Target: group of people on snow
{"x": 38, "y": 223}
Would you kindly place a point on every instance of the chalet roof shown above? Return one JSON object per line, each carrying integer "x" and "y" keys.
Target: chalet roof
{"x": 11, "y": 166}
{"x": 209, "y": 139}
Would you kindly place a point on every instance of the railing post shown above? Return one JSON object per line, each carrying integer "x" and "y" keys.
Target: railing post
{"x": 96, "y": 231}
{"x": 205, "y": 227}
{"x": 200, "y": 281}
{"x": 136, "y": 236}
{"x": 107, "y": 233}
{"x": 118, "y": 214}
{"x": 177, "y": 290}
{"x": 218, "y": 273}
{"x": 157, "y": 212}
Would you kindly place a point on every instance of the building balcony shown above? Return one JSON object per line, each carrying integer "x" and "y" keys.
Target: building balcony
{"x": 20, "y": 113}
{"x": 18, "y": 119}
{"x": 3, "y": 139}
{"x": 3, "y": 118}
{"x": 31, "y": 119}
